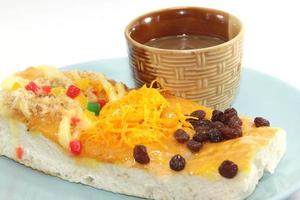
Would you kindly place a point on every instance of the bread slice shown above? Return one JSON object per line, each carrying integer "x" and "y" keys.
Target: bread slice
{"x": 41, "y": 152}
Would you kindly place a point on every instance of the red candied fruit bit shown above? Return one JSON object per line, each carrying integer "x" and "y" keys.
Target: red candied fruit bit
{"x": 74, "y": 121}
{"x": 95, "y": 92}
{"x": 31, "y": 86}
{"x": 75, "y": 147}
{"x": 73, "y": 91}
{"x": 19, "y": 152}
{"x": 46, "y": 89}
{"x": 102, "y": 102}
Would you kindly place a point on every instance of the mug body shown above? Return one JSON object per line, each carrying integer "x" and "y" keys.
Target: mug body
{"x": 210, "y": 75}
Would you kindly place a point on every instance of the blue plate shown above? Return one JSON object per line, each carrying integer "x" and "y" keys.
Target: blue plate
{"x": 259, "y": 94}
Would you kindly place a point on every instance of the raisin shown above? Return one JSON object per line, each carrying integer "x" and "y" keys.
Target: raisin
{"x": 228, "y": 169}
{"x": 217, "y": 116}
{"x": 230, "y": 133}
{"x": 194, "y": 146}
{"x": 140, "y": 154}
{"x": 201, "y": 136}
{"x": 177, "y": 163}
{"x": 239, "y": 131}
{"x": 228, "y": 113}
{"x": 191, "y": 121}
{"x": 259, "y": 122}
{"x": 181, "y": 136}
{"x": 235, "y": 122}
{"x": 215, "y": 135}
{"x": 200, "y": 114}
{"x": 203, "y": 123}
{"x": 202, "y": 128}
{"x": 218, "y": 124}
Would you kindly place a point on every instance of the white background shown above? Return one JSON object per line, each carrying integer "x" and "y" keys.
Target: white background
{"x": 62, "y": 32}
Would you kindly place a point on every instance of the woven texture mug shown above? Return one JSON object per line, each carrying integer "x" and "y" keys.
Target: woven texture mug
{"x": 209, "y": 76}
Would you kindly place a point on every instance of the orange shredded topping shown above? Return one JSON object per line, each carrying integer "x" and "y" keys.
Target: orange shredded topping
{"x": 137, "y": 118}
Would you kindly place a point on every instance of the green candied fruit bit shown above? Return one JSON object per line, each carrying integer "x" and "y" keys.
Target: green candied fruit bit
{"x": 94, "y": 107}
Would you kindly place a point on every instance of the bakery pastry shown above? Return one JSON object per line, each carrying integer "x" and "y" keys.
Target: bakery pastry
{"x": 85, "y": 128}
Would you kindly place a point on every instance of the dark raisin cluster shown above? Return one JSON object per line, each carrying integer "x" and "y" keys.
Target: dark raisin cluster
{"x": 222, "y": 126}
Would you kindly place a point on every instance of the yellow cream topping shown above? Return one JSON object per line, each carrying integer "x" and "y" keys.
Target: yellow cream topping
{"x": 143, "y": 116}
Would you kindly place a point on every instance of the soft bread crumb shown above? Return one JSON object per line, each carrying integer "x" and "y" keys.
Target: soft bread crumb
{"x": 29, "y": 104}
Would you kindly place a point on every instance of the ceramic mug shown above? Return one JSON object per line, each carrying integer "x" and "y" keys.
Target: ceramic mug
{"x": 209, "y": 76}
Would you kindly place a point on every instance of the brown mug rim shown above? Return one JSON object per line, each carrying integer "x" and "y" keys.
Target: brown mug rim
{"x": 141, "y": 45}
